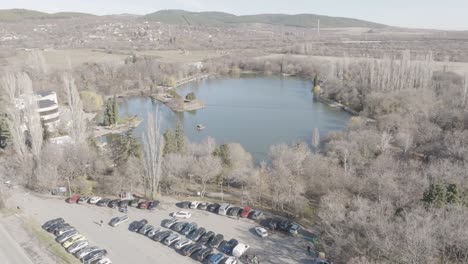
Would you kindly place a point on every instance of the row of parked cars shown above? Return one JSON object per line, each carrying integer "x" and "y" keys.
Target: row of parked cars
{"x": 223, "y": 209}
{"x": 191, "y": 240}
{"x": 121, "y": 204}
{"x": 283, "y": 225}
{"x": 75, "y": 243}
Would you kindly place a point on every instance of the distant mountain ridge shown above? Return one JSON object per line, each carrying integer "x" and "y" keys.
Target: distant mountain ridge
{"x": 215, "y": 19}
{"x": 220, "y": 19}
{"x": 13, "y": 15}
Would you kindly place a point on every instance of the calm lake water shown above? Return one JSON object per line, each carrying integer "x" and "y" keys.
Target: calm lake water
{"x": 254, "y": 111}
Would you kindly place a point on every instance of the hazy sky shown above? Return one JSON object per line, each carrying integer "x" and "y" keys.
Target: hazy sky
{"x": 446, "y": 14}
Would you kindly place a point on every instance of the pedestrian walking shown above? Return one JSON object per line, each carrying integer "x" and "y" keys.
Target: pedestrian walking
{"x": 309, "y": 249}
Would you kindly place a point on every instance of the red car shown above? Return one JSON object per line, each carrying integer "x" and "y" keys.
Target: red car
{"x": 73, "y": 199}
{"x": 245, "y": 213}
{"x": 143, "y": 205}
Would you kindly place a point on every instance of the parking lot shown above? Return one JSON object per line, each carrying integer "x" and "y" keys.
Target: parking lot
{"x": 125, "y": 247}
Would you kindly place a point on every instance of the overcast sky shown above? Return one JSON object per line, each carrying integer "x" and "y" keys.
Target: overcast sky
{"x": 446, "y": 14}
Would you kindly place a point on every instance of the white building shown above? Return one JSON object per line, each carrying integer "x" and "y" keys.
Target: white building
{"x": 47, "y": 106}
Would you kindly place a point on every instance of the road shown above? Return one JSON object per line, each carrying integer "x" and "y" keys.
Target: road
{"x": 10, "y": 251}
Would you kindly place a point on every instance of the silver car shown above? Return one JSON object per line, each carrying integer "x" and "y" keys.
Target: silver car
{"x": 118, "y": 220}
{"x": 64, "y": 237}
{"x": 153, "y": 231}
{"x": 85, "y": 251}
{"x": 171, "y": 239}
{"x": 182, "y": 243}
{"x": 77, "y": 246}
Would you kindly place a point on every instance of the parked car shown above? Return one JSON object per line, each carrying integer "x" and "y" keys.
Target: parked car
{"x": 214, "y": 207}
{"x": 136, "y": 225}
{"x": 182, "y": 214}
{"x": 234, "y": 211}
{"x": 52, "y": 222}
{"x": 202, "y": 206}
{"x": 190, "y": 249}
{"x": 182, "y": 243}
{"x": 72, "y": 240}
{"x": 152, "y": 205}
{"x": 124, "y": 203}
{"x": 63, "y": 230}
{"x": 223, "y": 208}
{"x": 216, "y": 258}
{"x": 194, "y": 204}
{"x": 83, "y": 199}
{"x": 103, "y": 202}
{"x": 206, "y": 237}
{"x": 94, "y": 199}
{"x": 85, "y": 251}
{"x": 144, "y": 229}
{"x": 134, "y": 202}
{"x": 123, "y": 209}
{"x": 162, "y": 235}
{"x": 293, "y": 228}
{"x": 172, "y": 239}
{"x": 183, "y": 205}
{"x": 216, "y": 241}
{"x": 143, "y": 205}
{"x": 239, "y": 250}
{"x": 189, "y": 228}
{"x": 197, "y": 234}
{"x": 229, "y": 246}
{"x": 57, "y": 226}
{"x": 167, "y": 223}
{"x": 152, "y": 232}
{"x": 203, "y": 254}
{"x": 73, "y": 199}
{"x": 246, "y": 211}
{"x": 77, "y": 246}
{"x": 66, "y": 236}
{"x": 94, "y": 255}
{"x": 230, "y": 260}
{"x": 272, "y": 223}
{"x": 178, "y": 227}
{"x": 254, "y": 215}
{"x": 261, "y": 232}
{"x": 284, "y": 225}
{"x": 114, "y": 203}
{"x": 118, "y": 220}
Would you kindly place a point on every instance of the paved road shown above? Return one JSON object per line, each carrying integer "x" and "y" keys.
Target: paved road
{"x": 10, "y": 251}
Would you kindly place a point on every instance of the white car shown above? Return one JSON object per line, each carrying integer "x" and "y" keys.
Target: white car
{"x": 194, "y": 205}
{"x": 182, "y": 243}
{"x": 231, "y": 260}
{"x": 94, "y": 199}
{"x": 104, "y": 261}
{"x": 182, "y": 214}
{"x": 261, "y": 232}
{"x": 77, "y": 246}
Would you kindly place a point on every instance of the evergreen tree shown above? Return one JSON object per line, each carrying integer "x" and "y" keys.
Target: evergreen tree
{"x": 191, "y": 96}
{"x": 222, "y": 152}
{"x": 435, "y": 195}
{"x": 170, "y": 142}
{"x": 179, "y": 137}
{"x": 107, "y": 114}
{"x": 123, "y": 147}
{"x": 453, "y": 194}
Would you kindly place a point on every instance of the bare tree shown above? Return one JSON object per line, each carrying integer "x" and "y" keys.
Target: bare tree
{"x": 153, "y": 142}
{"x": 78, "y": 121}
{"x": 206, "y": 168}
{"x": 316, "y": 139}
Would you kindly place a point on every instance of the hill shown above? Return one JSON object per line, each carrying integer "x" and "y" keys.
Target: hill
{"x": 222, "y": 19}
{"x": 13, "y": 15}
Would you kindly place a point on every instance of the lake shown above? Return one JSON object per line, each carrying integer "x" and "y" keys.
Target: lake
{"x": 255, "y": 111}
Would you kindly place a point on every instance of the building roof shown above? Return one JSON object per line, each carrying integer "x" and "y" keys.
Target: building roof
{"x": 46, "y": 103}
{"x": 44, "y": 93}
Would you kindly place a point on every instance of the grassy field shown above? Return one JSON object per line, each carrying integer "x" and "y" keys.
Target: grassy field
{"x": 47, "y": 240}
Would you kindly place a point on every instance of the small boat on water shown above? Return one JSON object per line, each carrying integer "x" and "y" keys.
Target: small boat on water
{"x": 200, "y": 127}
